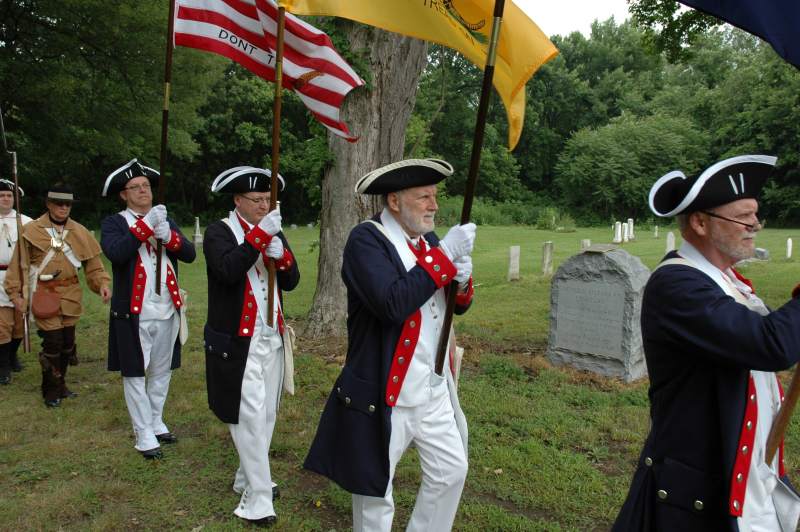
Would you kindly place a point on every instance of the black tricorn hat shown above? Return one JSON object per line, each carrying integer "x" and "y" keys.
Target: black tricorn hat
{"x": 118, "y": 179}
{"x": 5, "y": 184}
{"x": 243, "y": 179}
{"x": 404, "y": 174}
{"x": 732, "y": 179}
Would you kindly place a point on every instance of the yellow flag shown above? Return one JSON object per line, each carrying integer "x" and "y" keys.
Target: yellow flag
{"x": 465, "y": 26}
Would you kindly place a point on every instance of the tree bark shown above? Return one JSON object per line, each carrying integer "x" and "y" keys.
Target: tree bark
{"x": 378, "y": 113}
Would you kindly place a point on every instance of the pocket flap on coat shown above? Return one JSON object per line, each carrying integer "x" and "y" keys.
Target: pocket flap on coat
{"x": 216, "y": 343}
{"x": 686, "y": 487}
{"x": 357, "y": 393}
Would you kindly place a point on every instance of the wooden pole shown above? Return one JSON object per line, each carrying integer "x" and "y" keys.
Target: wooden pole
{"x": 276, "y": 151}
{"x": 164, "y": 130}
{"x": 23, "y": 256}
{"x": 472, "y": 179}
{"x": 781, "y": 421}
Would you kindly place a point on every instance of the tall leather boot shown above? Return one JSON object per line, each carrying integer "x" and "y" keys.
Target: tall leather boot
{"x": 13, "y": 350}
{"x": 51, "y": 378}
{"x": 66, "y": 362}
{"x": 5, "y": 365}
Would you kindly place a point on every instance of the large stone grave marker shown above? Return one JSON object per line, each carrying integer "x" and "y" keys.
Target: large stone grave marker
{"x": 595, "y": 303}
{"x": 513, "y": 263}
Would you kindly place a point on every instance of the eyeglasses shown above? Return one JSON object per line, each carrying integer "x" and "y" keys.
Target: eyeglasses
{"x": 264, "y": 200}
{"x": 137, "y": 188}
{"x": 750, "y": 227}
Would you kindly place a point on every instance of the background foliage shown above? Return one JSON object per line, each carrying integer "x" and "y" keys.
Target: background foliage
{"x": 81, "y": 92}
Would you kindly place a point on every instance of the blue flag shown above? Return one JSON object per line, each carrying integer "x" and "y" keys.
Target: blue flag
{"x": 775, "y": 21}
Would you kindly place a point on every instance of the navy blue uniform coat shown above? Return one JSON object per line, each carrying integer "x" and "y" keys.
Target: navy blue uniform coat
{"x": 352, "y": 444}
{"x": 700, "y": 345}
{"x": 122, "y": 249}
{"x": 226, "y": 352}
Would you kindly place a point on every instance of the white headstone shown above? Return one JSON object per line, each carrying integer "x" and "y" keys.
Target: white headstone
{"x": 630, "y": 229}
{"x": 655, "y": 232}
{"x": 585, "y": 243}
{"x": 198, "y": 236}
{"x": 625, "y": 236}
{"x": 617, "y": 233}
{"x": 310, "y": 226}
{"x": 513, "y": 263}
{"x": 788, "y": 248}
{"x": 670, "y": 241}
{"x": 293, "y": 226}
{"x": 547, "y": 258}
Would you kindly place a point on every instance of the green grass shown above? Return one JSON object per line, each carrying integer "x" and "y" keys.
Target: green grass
{"x": 550, "y": 448}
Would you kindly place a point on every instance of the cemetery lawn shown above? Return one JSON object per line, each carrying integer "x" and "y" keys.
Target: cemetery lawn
{"x": 550, "y": 448}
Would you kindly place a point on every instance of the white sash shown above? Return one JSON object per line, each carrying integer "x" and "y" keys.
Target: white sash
{"x": 252, "y": 274}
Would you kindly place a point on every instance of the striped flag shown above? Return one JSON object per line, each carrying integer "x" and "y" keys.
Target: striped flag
{"x": 245, "y": 31}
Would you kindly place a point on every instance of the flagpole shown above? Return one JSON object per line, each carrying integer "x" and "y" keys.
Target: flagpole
{"x": 472, "y": 179}
{"x": 276, "y": 150}
{"x": 164, "y": 130}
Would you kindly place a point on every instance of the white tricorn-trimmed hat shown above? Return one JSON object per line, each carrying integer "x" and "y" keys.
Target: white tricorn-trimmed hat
{"x": 732, "y": 179}
{"x": 6, "y": 184}
{"x": 404, "y": 174}
{"x": 242, "y": 179}
{"x": 118, "y": 179}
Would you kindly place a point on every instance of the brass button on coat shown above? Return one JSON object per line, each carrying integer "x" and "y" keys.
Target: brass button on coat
{"x": 648, "y": 461}
{"x": 662, "y": 494}
{"x": 698, "y": 505}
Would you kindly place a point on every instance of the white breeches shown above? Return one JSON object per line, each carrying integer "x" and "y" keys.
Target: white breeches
{"x": 145, "y": 397}
{"x": 433, "y": 430}
{"x": 258, "y": 409}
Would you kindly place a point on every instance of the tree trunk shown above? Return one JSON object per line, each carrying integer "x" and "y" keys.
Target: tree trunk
{"x": 379, "y": 114}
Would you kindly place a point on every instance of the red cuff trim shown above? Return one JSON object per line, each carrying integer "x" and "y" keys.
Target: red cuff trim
{"x": 286, "y": 261}
{"x": 464, "y": 298}
{"x": 175, "y": 241}
{"x": 258, "y": 238}
{"x": 141, "y": 230}
{"x": 438, "y": 266}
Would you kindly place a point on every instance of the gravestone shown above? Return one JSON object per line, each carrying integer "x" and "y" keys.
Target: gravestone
{"x": 198, "y": 236}
{"x": 547, "y": 258}
{"x": 625, "y": 236}
{"x": 595, "y": 303}
{"x": 788, "y": 248}
{"x": 310, "y": 226}
{"x": 630, "y": 229}
{"x": 293, "y": 226}
{"x": 585, "y": 243}
{"x": 670, "y": 242}
{"x": 762, "y": 254}
{"x": 617, "y": 233}
{"x": 513, "y": 263}
{"x": 655, "y": 232}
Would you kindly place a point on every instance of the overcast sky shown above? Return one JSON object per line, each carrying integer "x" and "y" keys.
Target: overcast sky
{"x": 565, "y": 16}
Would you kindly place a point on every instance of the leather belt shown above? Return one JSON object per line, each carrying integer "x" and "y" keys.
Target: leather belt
{"x": 53, "y": 283}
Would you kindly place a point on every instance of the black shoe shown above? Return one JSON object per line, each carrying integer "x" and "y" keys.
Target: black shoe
{"x": 264, "y": 522}
{"x": 167, "y": 437}
{"x": 52, "y": 403}
{"x": 5, "y": 379}
{"x": 276, "y": 493}
{"x": 152, "y": 454}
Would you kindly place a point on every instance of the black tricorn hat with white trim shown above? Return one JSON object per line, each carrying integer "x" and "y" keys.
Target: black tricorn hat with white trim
{"x": 6, "y": 184}
{"x": 732, "y": 179}
{"x": 404, "y": 174}
{"x": 118, "y": 179}
{"x": 243, "y": 179}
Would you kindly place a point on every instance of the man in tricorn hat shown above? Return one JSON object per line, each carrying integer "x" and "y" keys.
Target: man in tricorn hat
{"x": 244, "y": 353}
{"x": 388, "y": 394}
{"x": 57, "y": 248}
{"x": 712, "y": 348}
{"x": 11, "y": 324}
{"x": 144, "y": 325}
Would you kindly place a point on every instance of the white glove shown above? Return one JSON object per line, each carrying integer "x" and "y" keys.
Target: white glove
{"x": 156, "y": 215}
{"x": 275, "y": 249}
{"x": 464, "y": 270}
{"x": 458, "y": 241}
{"x": 271, "y": 223}
{"x": 163, "y": 231}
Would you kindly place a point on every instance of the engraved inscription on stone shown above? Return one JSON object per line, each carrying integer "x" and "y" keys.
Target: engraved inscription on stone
{"x": 589, "y": 318}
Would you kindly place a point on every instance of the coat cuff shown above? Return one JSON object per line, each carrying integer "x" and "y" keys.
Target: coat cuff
{"x": 438, "y": 266}
{"x": 141, "y": 230}
{"x": 286, "y": 261}
{"x": 175, "y": 241}
{"x": 796, "y": 291}
{"x": 465, "y": 298}
{"x": 258, "y": 238}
